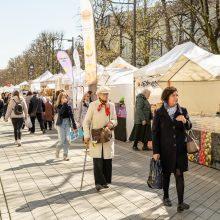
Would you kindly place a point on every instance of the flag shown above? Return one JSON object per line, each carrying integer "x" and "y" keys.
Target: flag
{"x": 65, "y": 62}
{"x": 88, "y": 31}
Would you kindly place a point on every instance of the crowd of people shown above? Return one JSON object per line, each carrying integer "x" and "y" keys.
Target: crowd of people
{"x": 163, "y": 130}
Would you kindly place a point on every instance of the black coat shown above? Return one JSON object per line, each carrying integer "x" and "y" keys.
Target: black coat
{"x": 169, "y": 139}
{"x": 36, "y": 105}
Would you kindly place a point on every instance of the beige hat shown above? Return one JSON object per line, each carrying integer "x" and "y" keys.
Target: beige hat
{"x": 103, "y": 89}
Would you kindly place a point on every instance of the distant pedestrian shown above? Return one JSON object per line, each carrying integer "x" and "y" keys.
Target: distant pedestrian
{"x": 1, "y": 107}
{"x": 65, "y": 121}
{"x": 28, "y": 98}
{"x": 49, "y": 114}
{"x": 83, "y": 108}
{"x": 36, "y": 110}
{"x": 17, "y": 111}
{"x": 169, "y": 143}
{"x": 142, "y": 128}
{"x": 6, "y": 100}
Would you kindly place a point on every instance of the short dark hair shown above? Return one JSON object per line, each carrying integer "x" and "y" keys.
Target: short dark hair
{"x": 29, "y": 93}
{"x": 35, "y": 93}
{"x": 167, "y": 92}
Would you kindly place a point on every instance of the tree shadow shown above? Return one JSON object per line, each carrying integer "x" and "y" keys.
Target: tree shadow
{"x": 57, "y": 199}
{"x": 24, "y": 166}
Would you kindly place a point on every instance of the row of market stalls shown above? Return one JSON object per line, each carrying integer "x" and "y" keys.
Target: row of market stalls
{"x": 194, "y": 71}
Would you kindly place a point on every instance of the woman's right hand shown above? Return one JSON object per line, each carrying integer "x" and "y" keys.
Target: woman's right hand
{"x": 156, "y": 156}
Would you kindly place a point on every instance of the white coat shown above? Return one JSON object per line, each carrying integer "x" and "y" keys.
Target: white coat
{"x": 95, "y": 119}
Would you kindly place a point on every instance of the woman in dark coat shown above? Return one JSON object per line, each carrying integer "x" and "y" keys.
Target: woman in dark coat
{"x": 169, "y": 143}
{"x": 142, "y": 126}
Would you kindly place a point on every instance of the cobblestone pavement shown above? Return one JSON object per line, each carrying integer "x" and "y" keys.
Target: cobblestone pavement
{"x": 35, "y": 185}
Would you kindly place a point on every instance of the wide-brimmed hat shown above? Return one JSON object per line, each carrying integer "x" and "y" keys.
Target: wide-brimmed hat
{"x": 103, "y": 89}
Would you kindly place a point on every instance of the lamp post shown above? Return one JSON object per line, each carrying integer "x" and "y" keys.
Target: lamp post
{"x": 30, "y": 71}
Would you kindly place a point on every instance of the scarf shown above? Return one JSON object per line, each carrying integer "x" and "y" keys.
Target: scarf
{"x": 104, "y": 103}
{"x": 170, "y": 110}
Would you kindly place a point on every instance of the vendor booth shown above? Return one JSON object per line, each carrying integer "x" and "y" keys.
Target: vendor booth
{"x": 36, "y": 83}
{"x": 194, "y": 72}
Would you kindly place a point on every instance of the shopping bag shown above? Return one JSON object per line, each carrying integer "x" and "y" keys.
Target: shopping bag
{"x": 73, "y": 135}
{"x": 155, "y": 176}
{"x": 28, "y": 123}
{"x": 76, "y": 135}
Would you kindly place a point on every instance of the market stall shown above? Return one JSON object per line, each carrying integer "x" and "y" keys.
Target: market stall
{"x": 36, "y": 83}
{"x": 194, "y": 72}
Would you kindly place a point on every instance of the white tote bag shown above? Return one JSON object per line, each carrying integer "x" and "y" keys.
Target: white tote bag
{"x": 28, "y": 123}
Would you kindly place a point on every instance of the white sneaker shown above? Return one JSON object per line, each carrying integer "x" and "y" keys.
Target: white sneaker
{"x": 16, "y": 142}
{"x": 19, "y": 143}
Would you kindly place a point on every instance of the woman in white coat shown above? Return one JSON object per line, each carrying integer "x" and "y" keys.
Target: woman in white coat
{"x": 101, "y": 114}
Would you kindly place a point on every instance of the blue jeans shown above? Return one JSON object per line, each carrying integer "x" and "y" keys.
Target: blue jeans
{"x": 64, "y": 136}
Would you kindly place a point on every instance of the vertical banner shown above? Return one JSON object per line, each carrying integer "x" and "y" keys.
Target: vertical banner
{"x": 65, "y": 62}
{"x": 88, "y": 31}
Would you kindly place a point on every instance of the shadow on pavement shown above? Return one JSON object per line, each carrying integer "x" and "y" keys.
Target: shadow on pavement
{"x": 58, "y": 199}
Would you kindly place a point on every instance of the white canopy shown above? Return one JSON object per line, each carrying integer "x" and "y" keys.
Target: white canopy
{"x": 35, "y": 84}
{"x": 25, "y": 83}
{"x": 186, "y": 62}
{"x": 45, "y": 76}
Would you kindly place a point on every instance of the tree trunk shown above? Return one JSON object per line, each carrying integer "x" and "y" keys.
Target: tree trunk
{"x": 169, "y": 38}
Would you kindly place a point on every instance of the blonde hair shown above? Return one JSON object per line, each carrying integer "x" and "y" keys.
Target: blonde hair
{"x": 60, "y": 96}
{"x": 85, "y": 94}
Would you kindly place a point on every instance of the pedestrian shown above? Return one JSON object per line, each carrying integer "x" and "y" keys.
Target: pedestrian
{"x": 6, "y": 100}
{"x": 83, "y": 108}
{"x": 142, "y": 125}
{"x": 169, "y": 143}
{"x": 101, "y": 117}
{"x": 1, "y": 106}
{"x": 49, "y": 113}
{"x": 36, "y": 110}
{"x": 17, "y": 111}
{"x": 28, "y": 98}
{"x": 65, "y": 121}
{"x": 91, "y": 96}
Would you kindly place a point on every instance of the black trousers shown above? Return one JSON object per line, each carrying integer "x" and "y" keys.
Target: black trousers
{"x": 17, "y": 124}
{"x": 40, "y": 120}
{"x": 179, "y": 185}
{"x": 49, "y": 123}
{"x": 102, "y": 170}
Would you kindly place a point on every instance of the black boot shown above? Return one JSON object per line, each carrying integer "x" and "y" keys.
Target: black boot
{"x": 167, "y": 202}
{"x": 135, "y": 146}
{"x": 183, "y": 206}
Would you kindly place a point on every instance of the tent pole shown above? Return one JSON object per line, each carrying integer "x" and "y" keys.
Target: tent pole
{"x": 178, "y": 70}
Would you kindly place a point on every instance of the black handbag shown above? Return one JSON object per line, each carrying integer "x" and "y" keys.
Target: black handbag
{"x": 155, "y": 176}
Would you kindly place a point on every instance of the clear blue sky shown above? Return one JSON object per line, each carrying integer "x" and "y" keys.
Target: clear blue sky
{"x": 22, "y": 20}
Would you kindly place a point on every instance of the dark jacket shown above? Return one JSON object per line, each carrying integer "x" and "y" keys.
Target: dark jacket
{"x": 143, "y": 110}
{"x": 60, "y": 110}
{"x": 169, "y": 139}
{"x": 36, "y": 105}
{"x": 1, "y": 105}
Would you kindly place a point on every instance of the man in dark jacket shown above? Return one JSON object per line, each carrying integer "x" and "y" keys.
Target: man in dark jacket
{"x": 36, "y": 109}
{"x": 1, "y": 107}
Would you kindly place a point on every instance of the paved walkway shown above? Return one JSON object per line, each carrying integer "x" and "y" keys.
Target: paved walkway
{"x": 36, "y": 186}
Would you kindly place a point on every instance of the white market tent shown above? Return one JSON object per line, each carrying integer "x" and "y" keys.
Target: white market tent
{"x": 51, "y": 82}
{"x": 25, "y": 83}
{"x": 36, "y": 83}
{"x": 192, "y": 70}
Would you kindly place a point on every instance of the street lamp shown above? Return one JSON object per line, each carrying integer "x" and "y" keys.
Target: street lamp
{"x": 30, "y": 71}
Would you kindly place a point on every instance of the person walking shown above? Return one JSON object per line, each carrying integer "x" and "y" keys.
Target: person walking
{"x": 142, "y": 125}
{"x": 65, "y": 121}
{"x": 83, "y": 108}
{"x": 169, "y": 144}
{"x": 6, "y": 100}
{"x": 49, "y": 114}
{"x": 17, "y": 111}
{"x": 101, "y": 118}
{"x": 36, "y": 110}
{"x": 28, "y": 98}
{"x": 1, "y": 106}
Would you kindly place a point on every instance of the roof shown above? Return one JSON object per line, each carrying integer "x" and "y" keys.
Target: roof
{"x": 185, "y": 62}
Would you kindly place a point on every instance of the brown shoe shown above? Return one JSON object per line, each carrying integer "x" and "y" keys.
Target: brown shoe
{"x": 65, "y": 158}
